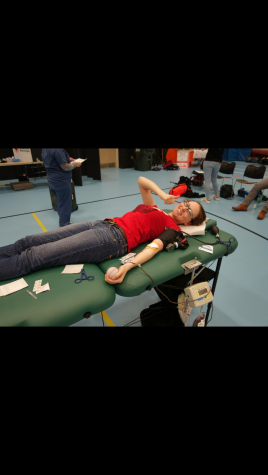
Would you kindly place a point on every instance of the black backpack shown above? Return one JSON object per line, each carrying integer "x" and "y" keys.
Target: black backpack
{"x": 186, "y": 180}
{"x": 198, "y": 180}
{"x": 263, "y": 161}
{"x": 226, "y": 191}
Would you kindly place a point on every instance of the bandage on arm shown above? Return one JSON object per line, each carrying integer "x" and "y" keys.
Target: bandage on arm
{"x": 68, "y": 166}
{"x": 153, "y": 246}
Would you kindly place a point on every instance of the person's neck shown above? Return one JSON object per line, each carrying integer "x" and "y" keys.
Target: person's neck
{"x": 172, "y": 217}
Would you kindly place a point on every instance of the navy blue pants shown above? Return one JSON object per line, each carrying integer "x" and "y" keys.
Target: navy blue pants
{"x": 63, "y": 193}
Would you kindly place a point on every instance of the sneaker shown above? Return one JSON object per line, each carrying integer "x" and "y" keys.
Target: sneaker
{"x": 205, "y": 200}
{"x": 217, "y": 198}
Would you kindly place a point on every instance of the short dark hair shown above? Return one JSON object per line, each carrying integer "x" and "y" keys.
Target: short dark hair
{"x": 201, "y": 217}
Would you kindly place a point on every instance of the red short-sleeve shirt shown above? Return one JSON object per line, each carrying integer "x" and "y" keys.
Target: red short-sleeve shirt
{"x": 144, "y": 224}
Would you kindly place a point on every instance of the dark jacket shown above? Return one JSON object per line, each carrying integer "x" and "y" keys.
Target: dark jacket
{"x": 214, "y": 155}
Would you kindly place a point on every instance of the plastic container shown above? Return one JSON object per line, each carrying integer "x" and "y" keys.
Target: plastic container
{"x": 259, "y": 199}
{"x": 254, "y": 209}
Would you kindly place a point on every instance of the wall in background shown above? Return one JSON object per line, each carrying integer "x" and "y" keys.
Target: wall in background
{"x": 108, "y": 157}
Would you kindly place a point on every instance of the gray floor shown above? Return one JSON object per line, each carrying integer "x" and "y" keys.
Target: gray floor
{"x": 241, "y": 295}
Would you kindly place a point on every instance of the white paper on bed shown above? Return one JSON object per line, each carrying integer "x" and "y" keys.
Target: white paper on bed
{"x": 43, "y": 288}
{"x": 12, "y": 287}
{"x": 73, "y": 269}
{"x": 194, "y": 230}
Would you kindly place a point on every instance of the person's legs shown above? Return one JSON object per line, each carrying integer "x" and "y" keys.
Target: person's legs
{"x": 207, "y": 168}
{"x": 63, "y": 193}
{"x": 265, "y": 208}
{"x": 43, "y": 238}
{"x": 262, "y": 185}
{"x": 99, "y": 243}
{"x": 214, "y": 174}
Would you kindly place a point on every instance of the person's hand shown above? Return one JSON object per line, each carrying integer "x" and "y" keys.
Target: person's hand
{"x": 78, "y": 164}
{"x": 119, "y": 277}
{"x": 169, "y": 199}
{"x": 71, "y": 159}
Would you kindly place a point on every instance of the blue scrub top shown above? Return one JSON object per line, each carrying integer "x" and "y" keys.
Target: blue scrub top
{"x": 52, "y": 158}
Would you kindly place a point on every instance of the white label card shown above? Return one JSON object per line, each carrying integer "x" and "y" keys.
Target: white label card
{"x": 206, "y": 248}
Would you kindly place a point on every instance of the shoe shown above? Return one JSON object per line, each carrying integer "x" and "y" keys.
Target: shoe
{"x": 205, "y": 200}
{"x": 216, "y": 198}
{"x": 262, "y": 214}
{"x": 241, "y": 207}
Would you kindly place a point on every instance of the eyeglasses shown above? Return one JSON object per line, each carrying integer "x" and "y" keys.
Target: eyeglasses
{"x": 189, "y": 211}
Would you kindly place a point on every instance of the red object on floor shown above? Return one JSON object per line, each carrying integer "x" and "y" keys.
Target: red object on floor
{"x": 178, "y": 190}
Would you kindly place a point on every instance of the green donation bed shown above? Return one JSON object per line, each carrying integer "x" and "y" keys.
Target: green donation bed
{"x": 67, "y": 303}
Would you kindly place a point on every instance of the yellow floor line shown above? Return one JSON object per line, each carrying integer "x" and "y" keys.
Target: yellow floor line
{"x": 107, "y": 319}
{"x": 39, "y": 222}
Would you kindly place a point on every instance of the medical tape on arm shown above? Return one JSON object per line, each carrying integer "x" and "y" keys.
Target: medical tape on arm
{"x": 153, "y": 246}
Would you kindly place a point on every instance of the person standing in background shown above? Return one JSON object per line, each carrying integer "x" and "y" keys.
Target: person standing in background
{"x": 57, "y": 163}
{"x": 211, "y": 166}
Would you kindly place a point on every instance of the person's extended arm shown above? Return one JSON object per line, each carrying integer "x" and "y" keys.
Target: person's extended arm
{"x": 70, "y": 166}
{"x": 146, "y": 186}
{"x": 140, "y": 258}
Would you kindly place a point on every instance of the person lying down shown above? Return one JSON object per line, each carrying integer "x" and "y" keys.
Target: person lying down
{"x": 98, "y": 241}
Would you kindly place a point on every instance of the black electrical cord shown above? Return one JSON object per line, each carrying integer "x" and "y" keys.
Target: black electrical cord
{"x": 215, "y": 231}
{"x": 211, "y": 314}
{"x": 136, "y": 320}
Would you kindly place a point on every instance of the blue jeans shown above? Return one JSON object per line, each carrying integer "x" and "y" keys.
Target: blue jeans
{"x": 63, "y": 194}
{"x": 211, "y": 170}
{"x": 73, "y": 244}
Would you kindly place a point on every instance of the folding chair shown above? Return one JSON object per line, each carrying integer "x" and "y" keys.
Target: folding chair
{"x": 228, "y": 169}
{"x": 252, "y": 171}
